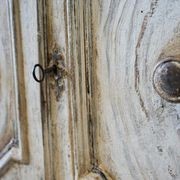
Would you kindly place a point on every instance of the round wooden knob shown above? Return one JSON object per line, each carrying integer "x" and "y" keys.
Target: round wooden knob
{"x": 166, "y": 79}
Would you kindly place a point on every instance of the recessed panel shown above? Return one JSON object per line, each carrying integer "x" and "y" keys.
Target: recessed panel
{"x": 12, "y": 114}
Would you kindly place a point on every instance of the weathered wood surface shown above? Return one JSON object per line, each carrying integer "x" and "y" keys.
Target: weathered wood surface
{"x": 43, "y": 25}
{"x": 109, "y": 121}
{"x": 57, "y": 114}
{"x": 65, "y": 119}
{"x": 65, "y": 154}
{"x": 20, "y": 118}
{"x": 136, "y": 131}
{"x": 7, "y": 92}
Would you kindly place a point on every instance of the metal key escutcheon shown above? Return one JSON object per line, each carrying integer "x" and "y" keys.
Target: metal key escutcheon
{"x": 55, "y": 72}
{"x": 43, "y": 72}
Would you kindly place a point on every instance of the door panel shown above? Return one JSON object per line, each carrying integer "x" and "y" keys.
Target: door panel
{"x": 107, "y": 121}
{"x": 104, "y": 119}
{"x": 9, "y": 134}
{"x": 21, "y": 150}
{"x": 136, "y": 136}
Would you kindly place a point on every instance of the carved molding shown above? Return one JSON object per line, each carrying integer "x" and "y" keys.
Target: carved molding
{"x": 13, "y": 126}
{"x": 81, "y": 59}
{"x": 82, "y": 113}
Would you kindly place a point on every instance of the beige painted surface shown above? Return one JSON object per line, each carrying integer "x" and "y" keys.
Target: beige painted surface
{"x": 20, "y": 129}
{"x": 108, "y": 122}
{"x": 136, "y": 136}
{"x": 56, "y": 111}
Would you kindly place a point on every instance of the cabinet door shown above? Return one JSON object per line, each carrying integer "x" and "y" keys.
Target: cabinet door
{"x": 21, "y": 147}
{"x": 108, "y": 121}
{"x": 102, "y": 116}
{"x": 136, "y": 131}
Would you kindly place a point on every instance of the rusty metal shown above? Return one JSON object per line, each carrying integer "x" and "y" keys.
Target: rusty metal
{"x": 43, "y": 72}
{"x": 56, "y": 72}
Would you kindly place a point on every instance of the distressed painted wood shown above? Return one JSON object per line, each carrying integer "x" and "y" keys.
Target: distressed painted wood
{"x": 135, "y": 130}
{"x": 108, "y": 122}
{"x": 10, "y": 130}
{"x": 55, "y": 111}
{"x": 21, "y": 147}
{"x": 65, "y": 119}
{"x": 65, "y": 152}
{"x": 117, "y": 126}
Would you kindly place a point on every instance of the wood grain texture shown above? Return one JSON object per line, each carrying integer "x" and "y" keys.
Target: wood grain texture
{"x": 56, "y": 113}
{"x": 77, "y": 54}
{"x": 13, "y": 146}
{"x": 109, "y": 122}
{"x": 65, "y": 121}
{"x": 7, "y": 103}
{"x": 19, "y": 53}
{"x": 136, "y": 135}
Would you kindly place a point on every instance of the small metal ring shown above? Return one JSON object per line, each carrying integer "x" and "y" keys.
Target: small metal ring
{"x": 34, "y": 73}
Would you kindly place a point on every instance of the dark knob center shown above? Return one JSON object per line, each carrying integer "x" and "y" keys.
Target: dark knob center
{"x": 166, "y": 80}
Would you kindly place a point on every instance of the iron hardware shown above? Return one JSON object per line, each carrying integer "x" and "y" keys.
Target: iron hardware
{"x": 55, "y": 71}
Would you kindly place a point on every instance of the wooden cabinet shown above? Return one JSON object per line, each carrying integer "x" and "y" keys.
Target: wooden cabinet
{"x": 104, "y": 118}
{"x": 21, "y": 145}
